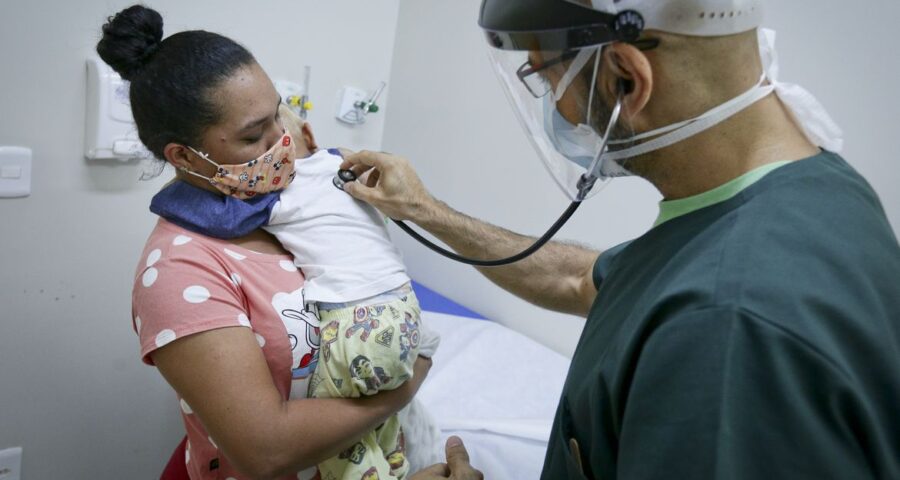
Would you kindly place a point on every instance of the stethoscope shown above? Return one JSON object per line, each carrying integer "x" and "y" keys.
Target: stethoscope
{"x": 585, "y": 184}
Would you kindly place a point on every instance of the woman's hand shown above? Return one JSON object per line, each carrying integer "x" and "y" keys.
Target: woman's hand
{"x": 420, "y": 372}
{"x": 391, "y": 185}
{"x": 456, "y": 468}
{"x": 389, "y": 402}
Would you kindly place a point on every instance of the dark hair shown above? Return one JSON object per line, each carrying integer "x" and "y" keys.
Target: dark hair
{"x": 171, "y": 79}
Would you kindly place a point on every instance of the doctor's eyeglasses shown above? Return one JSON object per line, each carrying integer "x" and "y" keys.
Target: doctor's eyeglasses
{"x": 538, "y": 85}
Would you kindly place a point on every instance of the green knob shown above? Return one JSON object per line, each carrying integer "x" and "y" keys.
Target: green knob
{"x": 373, "y": 108}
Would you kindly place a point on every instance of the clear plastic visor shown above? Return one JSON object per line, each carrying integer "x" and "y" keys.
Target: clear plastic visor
{"x": 554, "y": 96}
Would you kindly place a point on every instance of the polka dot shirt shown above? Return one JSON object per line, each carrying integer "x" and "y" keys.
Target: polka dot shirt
{"x": 188, "y": 283}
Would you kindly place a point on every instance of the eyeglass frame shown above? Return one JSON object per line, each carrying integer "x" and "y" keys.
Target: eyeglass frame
{"x": 527, "y": 69}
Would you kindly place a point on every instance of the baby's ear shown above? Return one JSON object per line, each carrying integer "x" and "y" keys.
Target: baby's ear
{"x": 292, "y": 123}
{"x": 308, "y": 138}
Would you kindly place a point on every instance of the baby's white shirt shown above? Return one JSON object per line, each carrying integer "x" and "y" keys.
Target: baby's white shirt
{"x": 341, "y": 244}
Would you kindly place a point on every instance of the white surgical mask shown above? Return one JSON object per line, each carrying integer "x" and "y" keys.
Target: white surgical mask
{"x": 580, "y": 143}
{"x": 575, "y": 142}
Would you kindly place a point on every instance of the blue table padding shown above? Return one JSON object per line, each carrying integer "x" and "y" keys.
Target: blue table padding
{"x": 435, "y": 302}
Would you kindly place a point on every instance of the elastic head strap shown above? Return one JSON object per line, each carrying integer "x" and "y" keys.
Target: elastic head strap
{"x": 702, "y": 123}
{"x": 577, "y": 64}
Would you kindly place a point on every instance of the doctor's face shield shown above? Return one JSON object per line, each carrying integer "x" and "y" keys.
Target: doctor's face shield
{"x": 548, "y": 55}
{"x": 557, "y": 98}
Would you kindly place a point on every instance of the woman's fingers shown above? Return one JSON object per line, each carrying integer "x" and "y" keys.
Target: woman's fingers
{"x": 421, "y": 367}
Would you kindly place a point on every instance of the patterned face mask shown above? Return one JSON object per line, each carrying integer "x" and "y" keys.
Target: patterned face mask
{"x": 269, "y": 172}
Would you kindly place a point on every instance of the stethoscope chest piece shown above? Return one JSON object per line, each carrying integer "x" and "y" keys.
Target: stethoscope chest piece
{"x": 342, "y": 177}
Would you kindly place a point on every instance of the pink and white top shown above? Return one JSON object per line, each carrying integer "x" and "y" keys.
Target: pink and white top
{"x": 188, "y": 283}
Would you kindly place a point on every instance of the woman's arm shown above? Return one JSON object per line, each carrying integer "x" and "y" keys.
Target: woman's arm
{"x": 223, "y": 376}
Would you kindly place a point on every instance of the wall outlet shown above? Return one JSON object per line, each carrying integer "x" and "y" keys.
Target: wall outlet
{"x": 11, "y": 464}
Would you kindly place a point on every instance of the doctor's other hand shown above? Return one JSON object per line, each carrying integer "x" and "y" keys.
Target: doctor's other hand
{"x": 390, "y": 184}
{"x": 456, "y": 468}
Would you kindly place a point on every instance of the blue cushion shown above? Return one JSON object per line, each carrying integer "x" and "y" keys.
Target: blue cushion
{"x": 435, "y": 302}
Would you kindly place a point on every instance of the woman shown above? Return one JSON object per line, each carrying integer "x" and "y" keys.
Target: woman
{"x": 223, "y": 321}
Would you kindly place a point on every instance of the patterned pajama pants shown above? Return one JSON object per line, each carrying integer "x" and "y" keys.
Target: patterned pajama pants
{"x": 366, "y": 349}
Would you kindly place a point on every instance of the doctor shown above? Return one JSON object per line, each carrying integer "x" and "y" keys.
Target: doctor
{"x": 754, "y": 331}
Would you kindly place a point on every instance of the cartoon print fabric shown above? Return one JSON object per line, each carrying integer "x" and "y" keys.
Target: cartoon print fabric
{"x": 271, "y": 171}
{"x": 366, "y": 349}
{"x": 303, "y": 334}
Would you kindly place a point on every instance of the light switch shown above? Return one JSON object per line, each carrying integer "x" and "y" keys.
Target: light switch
{"x": 15, "y": 172}
{"x": 11, "y": 172}
{"x": 126, "y": 147}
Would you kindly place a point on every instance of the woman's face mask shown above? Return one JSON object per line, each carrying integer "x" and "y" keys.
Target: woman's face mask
{"x": 267, "y": 173}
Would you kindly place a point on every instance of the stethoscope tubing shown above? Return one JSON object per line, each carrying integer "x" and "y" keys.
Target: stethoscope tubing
{"x": 499, "y": 262}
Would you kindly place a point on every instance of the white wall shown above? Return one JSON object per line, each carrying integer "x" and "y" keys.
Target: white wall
{"x": 449, "y": 116}
{"x": 72, "y": 389}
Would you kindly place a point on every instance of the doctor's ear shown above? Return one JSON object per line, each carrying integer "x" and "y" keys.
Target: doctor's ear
{"x": 629, "y": 75}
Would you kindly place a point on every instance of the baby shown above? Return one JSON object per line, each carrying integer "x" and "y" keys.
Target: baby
{"x": 370, "y": 326}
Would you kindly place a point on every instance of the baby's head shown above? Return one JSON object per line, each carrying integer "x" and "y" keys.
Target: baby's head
{"x": 300, "y": 130}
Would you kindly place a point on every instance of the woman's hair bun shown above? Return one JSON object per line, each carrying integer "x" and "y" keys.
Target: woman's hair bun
{"x": 130, "y": 39}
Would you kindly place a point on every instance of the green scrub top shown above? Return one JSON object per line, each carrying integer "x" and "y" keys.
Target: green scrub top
{"x": 754, "y": 337}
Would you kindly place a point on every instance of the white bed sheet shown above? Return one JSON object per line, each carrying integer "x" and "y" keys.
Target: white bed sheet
{"x": 497, "y": 390}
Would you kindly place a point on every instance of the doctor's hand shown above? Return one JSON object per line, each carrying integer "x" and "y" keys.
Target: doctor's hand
{"x": 390, "y": 184}
{"x": 456, "y": 468}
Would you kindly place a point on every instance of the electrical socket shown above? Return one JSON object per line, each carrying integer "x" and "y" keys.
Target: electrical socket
{"x": 11, "y": 464}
